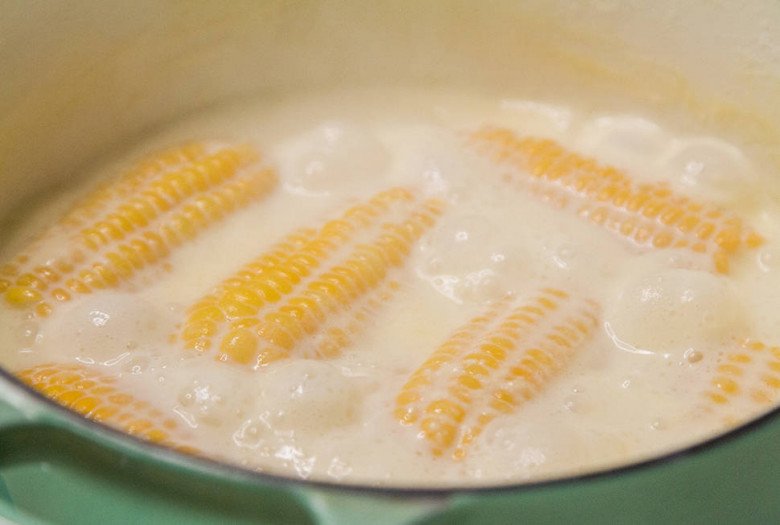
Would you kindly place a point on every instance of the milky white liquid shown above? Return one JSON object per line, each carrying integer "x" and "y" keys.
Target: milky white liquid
{"x": 634, "y": 390}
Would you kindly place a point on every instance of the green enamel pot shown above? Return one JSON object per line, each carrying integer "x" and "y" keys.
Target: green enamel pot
{"x": 81, "y": 79}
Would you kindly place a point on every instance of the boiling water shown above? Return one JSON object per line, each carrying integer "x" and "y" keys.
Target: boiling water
{"x": 638, "y": 386}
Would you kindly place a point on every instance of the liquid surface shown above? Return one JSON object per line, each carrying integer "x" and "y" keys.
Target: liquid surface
{"x": 510, "y": 324}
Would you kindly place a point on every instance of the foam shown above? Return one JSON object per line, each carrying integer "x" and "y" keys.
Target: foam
{"x": 631, "y": 392}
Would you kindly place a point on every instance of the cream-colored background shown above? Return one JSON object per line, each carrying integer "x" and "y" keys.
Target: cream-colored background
{"x": 79, "y": 79}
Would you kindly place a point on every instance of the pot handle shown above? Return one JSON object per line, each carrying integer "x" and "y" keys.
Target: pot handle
{"x": 11, "y": 417}
{"x": 17, "y": 408}
{"x": 331, "y": 507}
{"x": 16, "y": 414}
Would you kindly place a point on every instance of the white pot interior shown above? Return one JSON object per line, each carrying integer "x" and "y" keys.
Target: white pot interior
{"x": 80, "y": 80}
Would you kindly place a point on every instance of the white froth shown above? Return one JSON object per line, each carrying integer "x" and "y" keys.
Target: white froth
{"x": 630, "y": 392}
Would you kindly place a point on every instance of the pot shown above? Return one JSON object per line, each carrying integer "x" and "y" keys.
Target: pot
{"x": 79, "y": 80}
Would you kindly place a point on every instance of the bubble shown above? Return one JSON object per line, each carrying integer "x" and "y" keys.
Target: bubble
{"x": 137, "y": 364}
{"x": 713, "y": 169}
{"x": 527, "y": 450}
{"x": 673, "y": 311}
{"x": 767, "y": 260}
{"x": 434, "y": 161}
{"x": 204, "y": 402}
{"x": 339, "y": 469}
{"x": 628, "y": 142}
{"x": 537, "y": 118}
{"x": 104, "y": 326}
{"x": 297, "y": 458}
{"x": 331, "y": 156}
{"x": 251, "y": 434}
{"x": 693, "y": 356}
{"x": 469, "y": 259}
{"x": 308, "y": 394}
{"x": 563, "y": 256}
{"x": 27, "y": 333}
{"x": 576, "y": 404}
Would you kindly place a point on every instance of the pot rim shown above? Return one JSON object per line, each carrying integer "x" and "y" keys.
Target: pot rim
{"x": 200, "y": 463}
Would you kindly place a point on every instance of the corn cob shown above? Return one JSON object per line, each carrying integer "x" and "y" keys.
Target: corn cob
{"x": 338, "y": 335}
{"x": 133, "y": 223}
{"x": 98, "y": 397}
{"x": 753, "y": 371}
{"x": 491, "y": 366}
{"x": 650, "y": 216}
{"x": 277, "y": 301}
{"x": 97, "y": 201}
{"x": 267, "y": 278}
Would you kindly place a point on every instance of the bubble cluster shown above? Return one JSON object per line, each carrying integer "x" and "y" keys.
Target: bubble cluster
{"x": 103, "y": 327}
{"x": 712, "y": 168}
{"x": 308, "y": 394}
{"x": 469, "y": 259}
{"x": 331, "y": 156}
{"x": 623, "y": 141}
{"x": 675, "y": 310}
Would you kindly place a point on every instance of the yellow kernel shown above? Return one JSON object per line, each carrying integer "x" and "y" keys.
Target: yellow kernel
{"x": 22, "y": 296}
{"x": 447, "y": 408}
{"x": 240, "y": 345}
{"x": 719, "y": 399}
{"x": 726, "y": 385}
{"x": 771, "y": 381}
